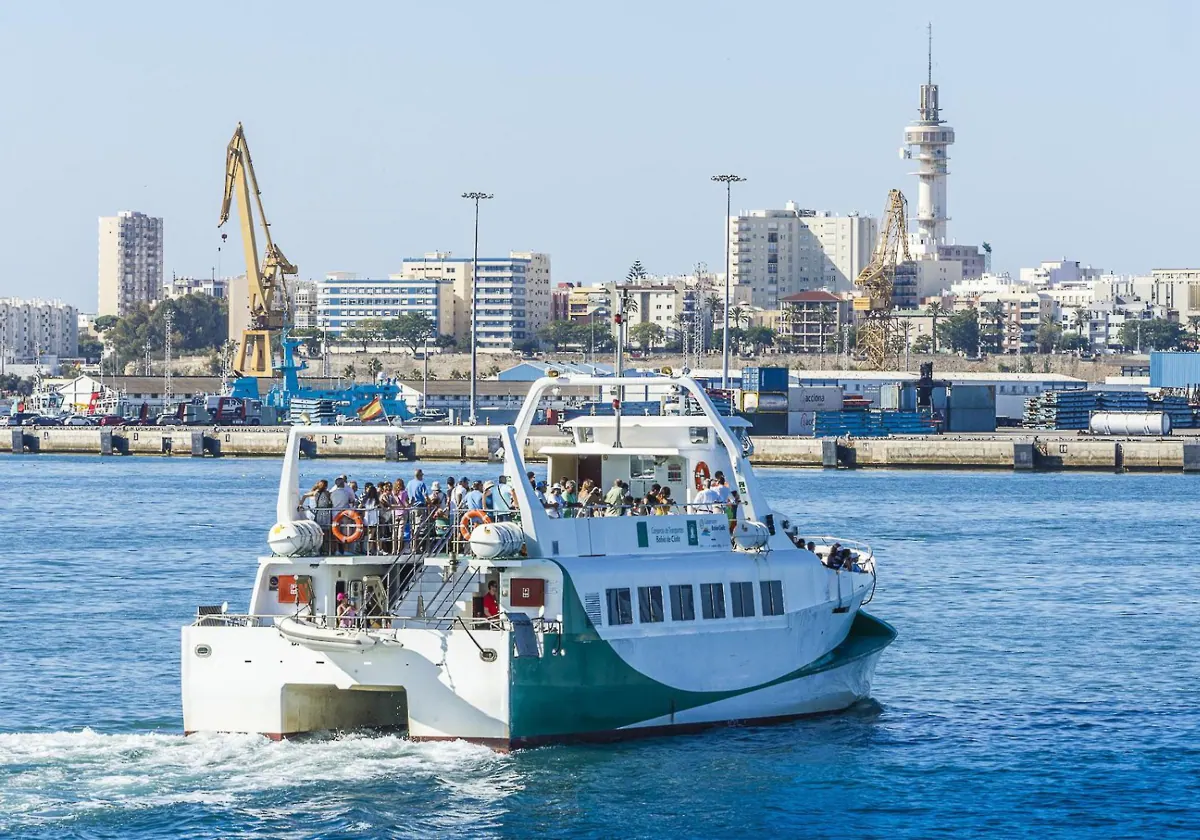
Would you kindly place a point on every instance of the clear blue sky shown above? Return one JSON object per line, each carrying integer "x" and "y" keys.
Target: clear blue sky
{"x": 597, "y": 127}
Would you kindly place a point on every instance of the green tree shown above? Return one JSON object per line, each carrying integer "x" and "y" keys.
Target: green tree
{"x": 364, "y": 332}
{"x": 349, "y": 372}
{"x": 445, "y": 342}
{"x": 935, "y": 310}
{"x": 759, "y": 337}
{"x": 1048, "y": 335}
{"x": 960, "y": 331}
{"x": 374, "y": 367}
{"x": 91, "y": 348}
{"x": 104, "y": 322}
{"x": 1071, "y": 340}
{"x": 646, "y": 334}
{"x": 311, "y": 339}
{"x": 412, "y": 329}
{"x": 995, "y": 314}
{"x": 1152, "y": 334}
{"x": 922, "y": 344}
{"x": 558, "y": 334}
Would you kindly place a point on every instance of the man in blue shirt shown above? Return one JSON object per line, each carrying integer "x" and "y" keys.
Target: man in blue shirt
{"x": 418, "y": 493}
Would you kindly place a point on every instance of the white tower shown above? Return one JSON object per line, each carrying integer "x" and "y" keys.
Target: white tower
{"x": 927, "y": 141}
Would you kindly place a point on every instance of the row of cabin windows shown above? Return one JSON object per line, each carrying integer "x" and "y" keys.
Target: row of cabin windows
{"x": 683, "y": 602}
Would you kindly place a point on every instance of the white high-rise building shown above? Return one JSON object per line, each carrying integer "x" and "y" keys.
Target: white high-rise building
{"x": 131, "y": 262}
{"x": 777, "y": 253}
{"x": 32, "y": 328}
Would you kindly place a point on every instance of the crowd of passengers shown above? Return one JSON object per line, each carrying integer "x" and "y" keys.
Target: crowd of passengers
{"x": 388, "y": 517}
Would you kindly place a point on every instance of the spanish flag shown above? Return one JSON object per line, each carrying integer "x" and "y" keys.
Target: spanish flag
{"x": 371, "y": 410}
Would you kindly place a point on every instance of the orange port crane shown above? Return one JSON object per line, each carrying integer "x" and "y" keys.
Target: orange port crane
{"x": 877, "y": 339}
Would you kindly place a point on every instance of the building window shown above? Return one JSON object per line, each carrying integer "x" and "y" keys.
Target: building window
{"x": 772, "y": 597}
{"x": 742, "y": 595}
{"x": 650, "y": 604}
{"x": 620, "y": 606}
{"x": 712, "y": 600}
{"x": 683, "y": 608}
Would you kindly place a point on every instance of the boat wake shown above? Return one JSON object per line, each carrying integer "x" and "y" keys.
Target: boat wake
{"x": 51, "y": 777}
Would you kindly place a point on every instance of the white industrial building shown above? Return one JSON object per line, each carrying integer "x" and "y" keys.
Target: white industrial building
{"x": 32, "y": 328}
{"x": 213, "y": 287}
{"x": 131, "y": 262}
{"x": 776, "y": 253}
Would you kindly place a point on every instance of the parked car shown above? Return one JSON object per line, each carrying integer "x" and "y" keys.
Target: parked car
{"x": 17, "y": 418}
{"x": 78, "y": 420}
{"x": 112, "y": 420}
{"x": 41, "y": 420}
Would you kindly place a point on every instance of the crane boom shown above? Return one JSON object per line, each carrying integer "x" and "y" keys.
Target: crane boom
{"x": 876, "y": 282}
{"x": 258, "y": 308}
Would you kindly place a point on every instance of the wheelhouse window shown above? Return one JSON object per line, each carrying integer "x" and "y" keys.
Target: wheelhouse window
{"x": 642, "y": 467}
{"x": 712, "y": 600}
{"x": 683, "y": 606}
{"x": 620, "y": 606}
{"x": 650, "y": 604}
{"x": 741, "y": 593}
{"x": 772, "y": 597}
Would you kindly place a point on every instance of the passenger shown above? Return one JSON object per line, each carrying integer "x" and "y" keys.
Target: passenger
{"x": 706, "y": 500}
{"x": 723, "y": 490}
{"x": 320, "y": 504}
{"x": 473, "y": 498}
{"x": 812, "y": 546}
{"x": 342, "y": 606}
{"x": 342, "y": 499}
{"x": 350, "y": 615}
{"x": 731, "y": 509}
{"x": 589, "y": 498}
{"x": 451, "y": 483}
{"x": 354, "y": 494}
{"x": 491, "y": 603}
{"x": 666, "y": 504}
{"x": 615, "y": 498}
{"x": 554, "y": 502}
{"x": 502, "y": 498}
{"x": 529, "y": 477}
{"x": 627, "y": 503}
{"x": 570, "y": 499}
{"x": 539, "y": 493}
{"x": 387, "y": 503}
{"x": 644, "y": 505}
{"x": 418, "y": 493}
{"x": 436, "y": 498}
{"x": 458, "y": 498}
{"x": 370, "y": 506}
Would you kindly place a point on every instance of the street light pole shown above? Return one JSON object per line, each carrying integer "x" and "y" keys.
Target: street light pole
{"x": 476, "y": 197}
{"x": 728, "y": 181}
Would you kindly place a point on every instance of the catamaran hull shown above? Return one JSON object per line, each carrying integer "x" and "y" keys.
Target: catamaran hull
{"x": 514, "y": 701}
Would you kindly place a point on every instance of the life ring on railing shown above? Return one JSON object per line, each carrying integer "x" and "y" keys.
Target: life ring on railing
{"x": 465, "y": 526}
{"x": 702, "y": 475}
{"x": 354, "y": 534}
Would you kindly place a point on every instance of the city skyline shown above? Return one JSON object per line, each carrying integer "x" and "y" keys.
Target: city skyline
{"x": 598, "y": 146}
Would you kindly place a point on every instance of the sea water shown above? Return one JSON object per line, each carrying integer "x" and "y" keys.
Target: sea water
{"x": 1045, "y": 681}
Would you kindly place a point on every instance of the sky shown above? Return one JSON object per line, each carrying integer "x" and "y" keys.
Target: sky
{"x": 596, "y": 126}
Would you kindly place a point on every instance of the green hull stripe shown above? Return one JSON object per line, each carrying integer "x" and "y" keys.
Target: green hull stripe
{"x": 590, "y": 688}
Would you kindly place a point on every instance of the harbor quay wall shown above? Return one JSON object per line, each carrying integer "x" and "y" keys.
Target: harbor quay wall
{"x": 1065, "y": 452}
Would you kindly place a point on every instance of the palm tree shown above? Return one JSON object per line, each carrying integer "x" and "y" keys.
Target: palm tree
{"x": 995, "y": 310}
{"x": 936, "y": 310}
{"x": 1083, "y": 325}
{"x": 1194, "y": 324}
{"x": 825, "y": 317}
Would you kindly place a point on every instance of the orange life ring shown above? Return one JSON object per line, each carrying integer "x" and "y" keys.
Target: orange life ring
{"x": 702, "y": 475}
{"x": 355, "y": 533}
{"x": 477, "y": 517}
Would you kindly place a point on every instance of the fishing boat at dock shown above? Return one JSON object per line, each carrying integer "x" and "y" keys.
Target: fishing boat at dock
{"x": 612, "y": 623}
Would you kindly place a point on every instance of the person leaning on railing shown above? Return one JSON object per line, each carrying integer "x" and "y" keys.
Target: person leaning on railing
{"x": 319, "y": 505}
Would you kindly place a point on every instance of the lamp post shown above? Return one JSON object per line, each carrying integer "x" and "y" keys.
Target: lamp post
{"x": 728, "y": 181}
{"x": 476, "y": 197}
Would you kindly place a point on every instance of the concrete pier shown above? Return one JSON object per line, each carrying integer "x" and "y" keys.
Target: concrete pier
{"x": 1011, "y": 452}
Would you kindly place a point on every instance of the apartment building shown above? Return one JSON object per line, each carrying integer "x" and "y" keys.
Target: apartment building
{"x": 808, "y": 321}
{"x": 131, "y": 262}
{"x": 1019, "y": 314}
{"x": 777, "y": 253}
{"x": 30, "y": 328}
{"x": 213, "y": 287}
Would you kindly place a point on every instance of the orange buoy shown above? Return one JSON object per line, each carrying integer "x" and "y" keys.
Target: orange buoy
{"x": 354, "y": 534}
{"x": 702, "y": 475}
{"x": 470, "y": 520}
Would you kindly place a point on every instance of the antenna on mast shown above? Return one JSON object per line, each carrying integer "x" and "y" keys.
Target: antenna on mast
{"x": 929, "y": 30}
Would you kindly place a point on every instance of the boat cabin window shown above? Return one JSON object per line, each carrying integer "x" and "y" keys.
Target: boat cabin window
{"x": 585, "y": 434}
{"x": 683, "y": 608}
{"x": 650, "y": 604}
{"x": 620, "y": 606}
{"x": 772, "y": 597}
{"x": 698, "y": 434}
{"x": 741, "y": 593}
{"x": 712, "y": 600}
{"x": 642, "y": 467}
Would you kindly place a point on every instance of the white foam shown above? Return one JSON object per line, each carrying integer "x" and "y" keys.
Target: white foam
{"x": 46, "y": 777}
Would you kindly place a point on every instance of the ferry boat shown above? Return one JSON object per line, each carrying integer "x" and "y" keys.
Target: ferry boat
{"x": 609, "y": 626}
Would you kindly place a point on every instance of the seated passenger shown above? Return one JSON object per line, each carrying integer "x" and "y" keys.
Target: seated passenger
{"x": 665, "y": 502}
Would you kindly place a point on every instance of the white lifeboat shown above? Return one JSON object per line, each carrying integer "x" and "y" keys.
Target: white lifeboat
{"x": 325, "y": 638}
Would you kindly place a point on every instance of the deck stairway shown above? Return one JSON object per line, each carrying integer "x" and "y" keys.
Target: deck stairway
{"x": 417, "y": 589}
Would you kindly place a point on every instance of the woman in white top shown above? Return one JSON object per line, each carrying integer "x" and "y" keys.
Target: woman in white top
{"x": 370, "y": 506}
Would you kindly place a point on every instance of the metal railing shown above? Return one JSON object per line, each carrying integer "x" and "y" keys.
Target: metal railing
{"x": 324, "y": 621}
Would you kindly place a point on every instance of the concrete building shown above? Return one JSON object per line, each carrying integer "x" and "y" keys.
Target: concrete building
{"x": 588, "y": 302}
{"x": 1058, "y": 272}
{"x": 810, "y": 320}
{"x": 1019, "y": 316}
{"x": 304, "y": 304}
{"x": 776, "y": 253}
{"x": 213, "y": 287}
{"x": 32, "y": 328}
{"x": 131, "y": 262}
{"x": 560, "y": 302}
{"x": 513, "y": 300}
{"x": 344, "y": 301}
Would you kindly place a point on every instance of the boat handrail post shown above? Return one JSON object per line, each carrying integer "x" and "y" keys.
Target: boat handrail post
{"x": 288, "y": 505}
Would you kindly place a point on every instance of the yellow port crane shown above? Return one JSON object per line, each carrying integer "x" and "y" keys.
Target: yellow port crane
{"x": 258, "y": 305}
{"x": 876, "y": 336}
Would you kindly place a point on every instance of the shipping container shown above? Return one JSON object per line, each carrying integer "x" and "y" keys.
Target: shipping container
{"x": 1174, "y": 370}
{"x": 801, "y": 423}
{"x": 753, "y": 401}
{"x": 765, "y": 379}
{"x": 971, "y": 420}
{"x": 773, "y": 425}
{"x": 973, "y": 396}
{"x": 815, "y": 398}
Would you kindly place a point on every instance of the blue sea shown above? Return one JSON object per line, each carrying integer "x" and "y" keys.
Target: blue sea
{"x": 1045, "y": 682}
